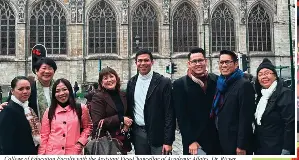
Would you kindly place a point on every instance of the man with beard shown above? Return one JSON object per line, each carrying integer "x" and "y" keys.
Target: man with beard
{"x": 192, "y": 99}
{"x": 149, "y": 98}
{"x": 233, "y": 107}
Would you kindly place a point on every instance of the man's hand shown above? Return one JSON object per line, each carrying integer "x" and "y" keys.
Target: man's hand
{"x": 193, "y": 148}
{"x": 3, "y": 105}
{"x": 240, "y": 151}
{"x": 128, "y": 121}
{"x": 166, "y": 149}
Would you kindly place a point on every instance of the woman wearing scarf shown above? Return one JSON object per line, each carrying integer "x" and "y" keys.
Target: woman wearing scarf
{"x": 19, "y": 133}
{"x": 66, "y": 126}
{"x": 275, "y": 113}
{"x": 41, "y": 92}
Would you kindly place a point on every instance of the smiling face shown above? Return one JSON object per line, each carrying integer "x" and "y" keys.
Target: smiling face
{"x": 226, "y": 65}
{"x": 109, "y": 81}
{"x": 197, "y": 64}
{"x": 22, "y": 90}
{"x": 62, "y": 93}
{"x": 266, "y": 77}
{"x": 45, "y": 73}
{"x": 144, "y": 64}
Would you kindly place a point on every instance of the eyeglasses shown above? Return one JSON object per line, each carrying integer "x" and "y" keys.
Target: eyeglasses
{"x": 226, "y": 62}
{"x": 199, "y": 61}
{"x": 264, "y": 74}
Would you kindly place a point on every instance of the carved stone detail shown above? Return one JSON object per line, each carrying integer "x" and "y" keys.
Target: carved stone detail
{"x": 166, "y": 6}
{"x": 80, "y": 5}
{"x": 125, "y": 5}
{"x": 21, "y": 8}
{"x": 275, "y": 6}
{"x": 206, "y": 8}
{"x": 76, "y": 9}
{"x": 243, "y": 11}
{"x": 73, "y": 7}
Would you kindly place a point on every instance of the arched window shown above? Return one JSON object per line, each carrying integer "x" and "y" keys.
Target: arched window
{"x": 184, "y": 28}
{"x": 145, "y": 27}
{"x": 223, "y": 29}
{"x": 102, "y": 29}
{"x": 259, "y": 30}
{"x": 7, "y": 29}
{"x": 48, "y": 27}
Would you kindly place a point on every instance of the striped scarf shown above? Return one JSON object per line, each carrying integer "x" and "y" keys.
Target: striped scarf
{"x": 222, "y": 86}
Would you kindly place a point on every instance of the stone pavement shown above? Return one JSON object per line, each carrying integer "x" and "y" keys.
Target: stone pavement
{"x": 177, "y": 147}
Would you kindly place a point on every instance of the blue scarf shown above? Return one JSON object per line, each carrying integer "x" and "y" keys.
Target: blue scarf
{"x": 222, "y": 86}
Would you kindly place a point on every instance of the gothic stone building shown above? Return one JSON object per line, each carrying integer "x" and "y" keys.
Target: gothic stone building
{"x": 85, "y": 35}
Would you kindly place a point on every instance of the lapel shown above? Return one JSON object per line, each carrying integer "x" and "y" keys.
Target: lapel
{"x": 272, "y": 99}
{"x": 123, "y": 100}
{"x": 231, "y": 89}
{"x": 112, "y": 104}
{"x": 109, "y": 100}
{"x": 132, "y": 89}
{"x": 154, "y": 83}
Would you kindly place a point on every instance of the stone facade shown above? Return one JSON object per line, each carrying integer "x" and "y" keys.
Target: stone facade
{"x": 78, "y": 65}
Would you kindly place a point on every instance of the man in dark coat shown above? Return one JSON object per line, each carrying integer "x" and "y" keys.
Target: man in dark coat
{"x": 149, "y": 97}
{"x": 192, "y": 99}
{"x": 233, "y": 107}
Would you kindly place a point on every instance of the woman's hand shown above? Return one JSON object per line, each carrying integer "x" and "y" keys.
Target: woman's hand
{"x": 79, "y": 147}
{"x": 125, "y": 128}
{"x": 128, "y": 121}
{"x": 3, "y": 105}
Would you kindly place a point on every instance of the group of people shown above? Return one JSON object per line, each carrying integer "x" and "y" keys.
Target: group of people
{"x": 222, "y": 114}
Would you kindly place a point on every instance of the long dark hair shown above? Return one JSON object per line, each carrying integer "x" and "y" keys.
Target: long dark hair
{"x": 71, "y": 100}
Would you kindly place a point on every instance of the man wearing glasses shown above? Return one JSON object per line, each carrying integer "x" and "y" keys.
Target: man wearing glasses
{"x": 233, "y": 107}
{"x": 192, "y": 99}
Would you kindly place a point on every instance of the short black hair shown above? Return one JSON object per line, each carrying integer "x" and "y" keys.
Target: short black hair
{"x": 144, "y": 51}
{"x": 197, "y": 50}
{"x": 44, "y": 60}
{"x": 231, "y": 53}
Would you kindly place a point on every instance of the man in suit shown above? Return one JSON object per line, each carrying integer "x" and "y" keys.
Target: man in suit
{"x": 233, "y": 107}
{"x": 192, "y": 99}
{"x": 149, "y": 97}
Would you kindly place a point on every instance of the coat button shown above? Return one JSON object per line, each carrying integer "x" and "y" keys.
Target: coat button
{"x": 63, "y": 148}
{"x": 64, "y": 122}
{"x": 63, "y": 135}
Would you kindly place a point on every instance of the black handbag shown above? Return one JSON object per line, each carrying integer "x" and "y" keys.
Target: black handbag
{"x": 105, "y": 145}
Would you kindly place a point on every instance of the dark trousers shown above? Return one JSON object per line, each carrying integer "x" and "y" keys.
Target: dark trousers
{"x": 141, "y": 144}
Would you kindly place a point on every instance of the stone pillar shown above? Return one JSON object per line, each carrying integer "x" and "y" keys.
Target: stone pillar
{"x": 76, "y": 40}
{"x": 124, "y": 30}
{"x": 20, "y": 41}
{"x": 242, "y": 35}
{"x": 165, "y": 29}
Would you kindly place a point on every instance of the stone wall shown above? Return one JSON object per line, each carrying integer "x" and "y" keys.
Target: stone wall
{"x": 79, "y": 66}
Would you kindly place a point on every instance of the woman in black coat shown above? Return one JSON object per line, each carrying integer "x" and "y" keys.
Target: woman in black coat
{"x": 275, "y": 113}
{"x": 110, "y": 104}
{"x": 19, "y": 133}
